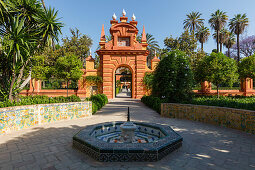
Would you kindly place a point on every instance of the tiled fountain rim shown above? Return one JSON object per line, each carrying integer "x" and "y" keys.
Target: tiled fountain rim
{"x": 84, "y": 136}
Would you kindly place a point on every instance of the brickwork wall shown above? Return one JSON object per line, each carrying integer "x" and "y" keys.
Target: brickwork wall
{"x": 228, "y": 117}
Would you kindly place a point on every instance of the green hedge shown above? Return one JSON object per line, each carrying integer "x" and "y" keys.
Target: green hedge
{"x": 30, "y": 100}
{"x": 117, "y": 90}
{"x": 98, "y": 101}
{"x": 153, "y": 102}
{"x": 239, "y": 102}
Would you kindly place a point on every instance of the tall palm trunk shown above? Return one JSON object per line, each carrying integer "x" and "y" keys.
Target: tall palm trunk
{"x": 220, "y": 47}
{"x": 217, "y": 39}
{"x": 202, "y": 46}
{"x": 228, "y": 52}
{"x": 238, "y": 48}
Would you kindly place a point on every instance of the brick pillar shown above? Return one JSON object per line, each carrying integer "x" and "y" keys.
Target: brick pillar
{"x": 107, "y": 75}
{"x": 154, "y": 62}
{"x": 81, "y": 92}
{"x": 206, "y": 87}
{"x": 140, "y": 71}
{"x": 246, "y": 85}
{"x": 35, "y": 86}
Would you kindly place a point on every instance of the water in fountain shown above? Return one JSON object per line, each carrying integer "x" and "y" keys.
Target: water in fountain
{"x": 128, "y": 130}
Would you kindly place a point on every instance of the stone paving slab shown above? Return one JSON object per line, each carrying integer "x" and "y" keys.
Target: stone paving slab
{"x": 205, "y": 146}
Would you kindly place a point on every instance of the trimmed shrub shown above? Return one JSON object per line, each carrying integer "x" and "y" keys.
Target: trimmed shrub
{"x": 98, "y": 101}
{"x": 238, "y": 102}
{"x": 30, "y": 100}
{"x": 153, "y": 102}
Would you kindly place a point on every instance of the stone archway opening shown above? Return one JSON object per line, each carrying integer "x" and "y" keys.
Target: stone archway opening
{"x": 123, "y": 82}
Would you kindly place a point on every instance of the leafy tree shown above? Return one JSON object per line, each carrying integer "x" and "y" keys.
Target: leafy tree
{"x": 186, "y": 42}
{"x": 193, "y": 22}
{"x": 218, "y": 69}
{"x": 230, "y": 41}
{"x": 202, "y": 35}
{"x": 148, "y": 80}
{"x": 223, "y": 35}
{"x": 247, "y": 46}
{"x": 173, "y": 78}
{"x": 217, "y": 22}
{"x": 152, "y": 46}
{"x": 78, "y": 44}
{"x": 68, "y": 68}
{"x": 25, "y": 29}
{"x": 247, "y": 67}
{"x": 237, "y": 25}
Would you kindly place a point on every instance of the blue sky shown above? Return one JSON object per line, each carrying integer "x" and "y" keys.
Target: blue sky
{"x": 161, "y": 18}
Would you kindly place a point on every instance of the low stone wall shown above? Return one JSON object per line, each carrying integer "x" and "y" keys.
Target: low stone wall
{"x": 20, "y": 117}
{"x": 228, "y": 117}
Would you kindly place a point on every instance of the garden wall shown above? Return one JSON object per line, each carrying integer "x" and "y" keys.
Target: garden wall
{"x": 228, "y": 117}
{"x": 20, "y": 117}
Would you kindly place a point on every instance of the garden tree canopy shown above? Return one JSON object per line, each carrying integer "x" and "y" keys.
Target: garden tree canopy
{"x": 173, "y": 78}
{"x": 78, "y": 44}
{"x": 68, "y": 68}
{"x": 25, "y": 28}
{"x": 218, "y": 69}
{"x": 186, "y": 42}
{"x": 148, "y": 80}
{"x": 247, "y": 46}
{"x": 247, "y": 67}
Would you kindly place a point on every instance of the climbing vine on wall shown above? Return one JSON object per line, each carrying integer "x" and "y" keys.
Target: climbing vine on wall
{"x": 93, "y": 79}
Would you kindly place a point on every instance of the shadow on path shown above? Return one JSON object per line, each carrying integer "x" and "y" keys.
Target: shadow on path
{"x": 204, "y": 147}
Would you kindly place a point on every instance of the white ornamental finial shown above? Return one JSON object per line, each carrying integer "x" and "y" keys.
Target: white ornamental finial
{"x": 155, "y": 53}
{"x": 133, "y": 17}
{"x": 124, "y": 12}
{"x": 114, "y": 17}
{"x": 90, "y": 52}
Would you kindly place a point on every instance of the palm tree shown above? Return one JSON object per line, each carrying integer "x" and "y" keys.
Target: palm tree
{"x": 25, "y": 29}
{"x": 237, "y": 25}
{"x": 50, "y": 26}
{"x": 17, "y": 44}
{"x": 223, "y": 35}
{"x": 193, "y": 22}
{"x": 152, "y": 46}
{"x": 202, "y": 35}
{"x": 230, "y": 41}
{"x": 43, "y": 4}
{"x": 217, "y": 22}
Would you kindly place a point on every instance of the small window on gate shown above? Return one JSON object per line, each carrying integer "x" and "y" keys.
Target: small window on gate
{"x": 123, "y": 41}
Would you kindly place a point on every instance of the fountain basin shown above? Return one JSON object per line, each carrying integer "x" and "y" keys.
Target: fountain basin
{"x": 153, "y": 142}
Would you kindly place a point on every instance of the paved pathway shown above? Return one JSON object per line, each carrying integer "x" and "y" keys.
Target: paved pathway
{"x": 204, "y": 146}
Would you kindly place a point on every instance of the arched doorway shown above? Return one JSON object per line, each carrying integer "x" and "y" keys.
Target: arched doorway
{"x": 123, "y": 82}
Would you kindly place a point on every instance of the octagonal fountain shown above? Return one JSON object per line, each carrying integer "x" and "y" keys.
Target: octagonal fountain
{"x": 127, "y": 141}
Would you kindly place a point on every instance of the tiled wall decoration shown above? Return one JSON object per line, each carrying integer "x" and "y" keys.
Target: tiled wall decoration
{"x": 20, "y": 117}
{"x": 228, "y": 117}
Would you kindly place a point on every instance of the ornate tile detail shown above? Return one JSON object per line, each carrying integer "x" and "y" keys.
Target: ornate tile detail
{"x": 20, "y": 117}
{"x": 100, "y": 149}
